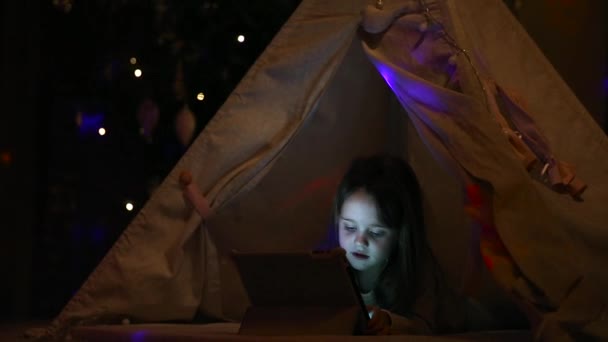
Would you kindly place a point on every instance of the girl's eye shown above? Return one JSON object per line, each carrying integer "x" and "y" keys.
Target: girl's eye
{"x": 349, "y": 228}
{"x": 376, "y": 234}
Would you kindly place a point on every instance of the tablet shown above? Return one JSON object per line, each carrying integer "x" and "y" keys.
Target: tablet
{"x": 301, "y": 284}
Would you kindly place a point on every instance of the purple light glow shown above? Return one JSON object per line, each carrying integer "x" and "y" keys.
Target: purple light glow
{"x": 139, "y": 336}
{"x": 407, "y": 89}
{"x": 386, "y": 74}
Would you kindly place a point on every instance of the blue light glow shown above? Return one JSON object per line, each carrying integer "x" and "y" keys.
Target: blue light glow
{"x": 95, "y": 234}
{"x": 98, "y": 234}
{"x": 89, "y": 123}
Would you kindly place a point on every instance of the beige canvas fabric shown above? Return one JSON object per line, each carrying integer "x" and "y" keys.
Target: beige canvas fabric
{"x": 270, "y": 160}
{"x": 557, "y": 254}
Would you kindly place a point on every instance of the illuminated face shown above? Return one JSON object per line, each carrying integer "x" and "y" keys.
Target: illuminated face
{"x": 367, "y": 242}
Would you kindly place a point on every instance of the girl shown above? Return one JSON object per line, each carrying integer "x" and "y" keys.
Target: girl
{"x": 379, "y": 223}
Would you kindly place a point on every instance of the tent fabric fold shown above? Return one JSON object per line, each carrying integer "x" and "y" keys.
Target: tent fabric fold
{"x": 424, "y": 80}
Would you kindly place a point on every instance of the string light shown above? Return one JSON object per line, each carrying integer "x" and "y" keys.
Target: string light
{"x": 133, "y": 60}
{"x": 200, "y": 96}
{"x": 240, "y": 38}
{"x": 129, "y": 206}
{"x": 137, "y": 72}
{"x": 102, "y": 131}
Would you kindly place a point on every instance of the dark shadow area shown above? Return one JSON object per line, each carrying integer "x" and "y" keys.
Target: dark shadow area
{"x": 101, "y": 100}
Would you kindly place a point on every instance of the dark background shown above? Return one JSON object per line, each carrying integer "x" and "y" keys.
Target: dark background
{"x": 66, "y": 72}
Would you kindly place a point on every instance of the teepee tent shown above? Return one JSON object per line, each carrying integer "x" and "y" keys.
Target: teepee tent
{"x": 457, "y": 88}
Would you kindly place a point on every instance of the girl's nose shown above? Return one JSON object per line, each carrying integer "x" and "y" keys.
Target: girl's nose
{"x": 360, "y": 240}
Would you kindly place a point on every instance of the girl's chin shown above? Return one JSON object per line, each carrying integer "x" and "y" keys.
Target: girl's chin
{"x": 361, "y": 265}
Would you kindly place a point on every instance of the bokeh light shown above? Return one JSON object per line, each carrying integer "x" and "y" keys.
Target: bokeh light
{"x": 6, "y": 158}
{"x": 102, "y": 131}
{"x": 137, "y": 72}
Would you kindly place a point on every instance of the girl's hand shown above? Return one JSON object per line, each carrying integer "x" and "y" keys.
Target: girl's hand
{"x": 379, "y": 323}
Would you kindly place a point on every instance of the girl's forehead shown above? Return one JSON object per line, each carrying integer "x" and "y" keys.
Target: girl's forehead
{"x": 361, "y": 207}
{"x": 360, "y": 197}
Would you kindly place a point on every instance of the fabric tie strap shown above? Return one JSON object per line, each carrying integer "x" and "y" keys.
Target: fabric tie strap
{"x": 528, "y": 142}
{"x": 193, "y": 195}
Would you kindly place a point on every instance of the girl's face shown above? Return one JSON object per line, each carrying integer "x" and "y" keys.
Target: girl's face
{"x": 367, "y": 242}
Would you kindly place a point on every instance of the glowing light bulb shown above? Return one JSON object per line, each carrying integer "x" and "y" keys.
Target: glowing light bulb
{"x": 129, "y": 206}
{"x": 200, "y": 96}
{"x": 137, "y": 72}
{"x": 240, "y": 38}
{"x": 133, "y": 60}
{"x": 102, "y": 131}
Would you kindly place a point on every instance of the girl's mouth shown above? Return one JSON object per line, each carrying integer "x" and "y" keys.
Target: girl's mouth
{"x": 360, "y": 256}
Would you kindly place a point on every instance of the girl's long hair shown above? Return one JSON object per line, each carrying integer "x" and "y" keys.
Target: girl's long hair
{"x": 393, "y": 185}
